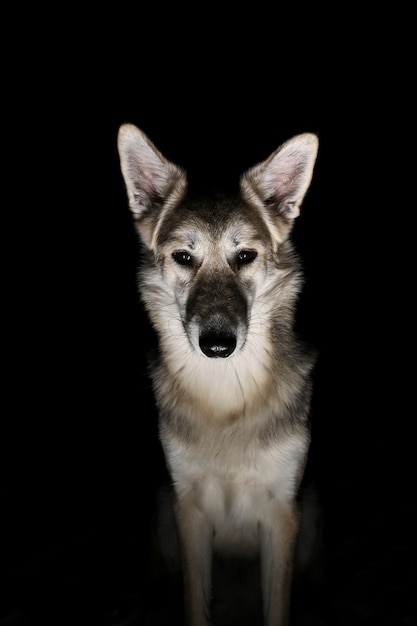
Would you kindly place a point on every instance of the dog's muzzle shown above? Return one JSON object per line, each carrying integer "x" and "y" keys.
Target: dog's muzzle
{"x": 217, "y": 344}
{"x": 216, "y": 315}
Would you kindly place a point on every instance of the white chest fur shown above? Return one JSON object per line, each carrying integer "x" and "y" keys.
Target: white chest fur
{"x": 236, "y": 492}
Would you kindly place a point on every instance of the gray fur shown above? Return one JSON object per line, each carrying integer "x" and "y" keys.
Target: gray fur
{"x": 232, "y": 382}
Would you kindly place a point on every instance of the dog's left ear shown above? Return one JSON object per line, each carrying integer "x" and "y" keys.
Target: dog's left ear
{"x": 281, "y": 181}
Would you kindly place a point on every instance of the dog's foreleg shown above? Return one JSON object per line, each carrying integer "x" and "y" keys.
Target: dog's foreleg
{"x": 278, "y": 536}
{"x": 195, "y": 537}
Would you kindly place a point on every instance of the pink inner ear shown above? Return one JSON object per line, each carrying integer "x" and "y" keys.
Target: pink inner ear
{"x": 147, "y": 182}
{"x": 141, "y": 174}
{"x": 285, "y": 178}
{"x": 281, "y": 191}
{"x": 284, "y": 187}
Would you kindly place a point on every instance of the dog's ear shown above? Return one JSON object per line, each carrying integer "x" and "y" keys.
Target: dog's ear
{"x": 152, "y": 182}
{"x": 281, "y": 182}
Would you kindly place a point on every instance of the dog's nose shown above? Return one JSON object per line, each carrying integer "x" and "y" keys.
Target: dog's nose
{"x": 214, "y": 344}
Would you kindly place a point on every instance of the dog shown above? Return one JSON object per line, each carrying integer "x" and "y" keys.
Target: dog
{"x": 220, "y": 278}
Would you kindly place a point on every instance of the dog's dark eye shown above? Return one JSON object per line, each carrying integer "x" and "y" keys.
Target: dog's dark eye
{"x": 182, "y": 258}
{"x": 246, "y": 256}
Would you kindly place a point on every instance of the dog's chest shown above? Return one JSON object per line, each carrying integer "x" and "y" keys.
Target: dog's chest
{"x": 236, "y": 491}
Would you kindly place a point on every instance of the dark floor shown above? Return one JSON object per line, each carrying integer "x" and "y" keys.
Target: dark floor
{"x": 93, "y": 565}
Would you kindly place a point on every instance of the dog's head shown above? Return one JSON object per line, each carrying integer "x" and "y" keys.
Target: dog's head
{"x": 210, "y": 259}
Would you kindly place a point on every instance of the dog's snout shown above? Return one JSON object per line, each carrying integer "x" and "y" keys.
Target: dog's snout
{"x": 217, "y": 344}
{"x": 217, "y": 314}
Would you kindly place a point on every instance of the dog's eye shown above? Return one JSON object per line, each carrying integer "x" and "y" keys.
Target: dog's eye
{"x": 246, "y": 256}
{"x": 182, "y": 258}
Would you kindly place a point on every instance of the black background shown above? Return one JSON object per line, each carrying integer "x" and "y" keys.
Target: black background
{"x": 80, "y": 454}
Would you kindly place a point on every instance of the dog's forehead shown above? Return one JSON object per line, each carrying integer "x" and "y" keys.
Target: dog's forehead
{"x": 214, "y": 217}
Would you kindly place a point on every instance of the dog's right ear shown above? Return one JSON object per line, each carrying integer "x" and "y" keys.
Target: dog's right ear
{"x": 152, "y": 182}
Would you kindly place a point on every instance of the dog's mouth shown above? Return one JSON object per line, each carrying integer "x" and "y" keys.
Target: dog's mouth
{"x": 215, "y": 344}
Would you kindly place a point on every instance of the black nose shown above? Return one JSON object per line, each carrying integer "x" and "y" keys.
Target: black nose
{"x": 217, "y": 344}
